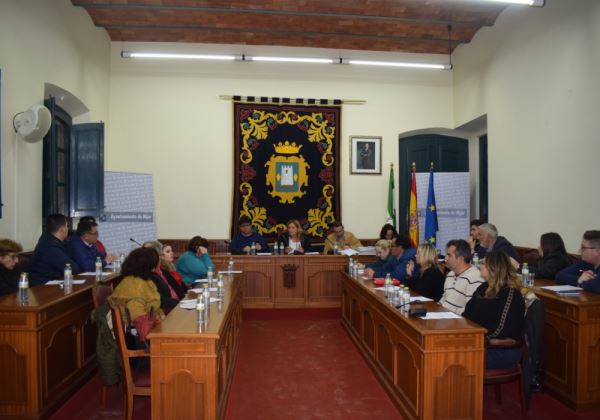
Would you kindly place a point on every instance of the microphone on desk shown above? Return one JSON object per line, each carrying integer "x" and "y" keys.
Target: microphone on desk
{"x": 134, "y": 241}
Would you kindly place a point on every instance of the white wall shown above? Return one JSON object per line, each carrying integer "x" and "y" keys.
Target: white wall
{"x": 43, "y": 42}
{"x": 167, "y": 119}
{"x": 535, "y": 75}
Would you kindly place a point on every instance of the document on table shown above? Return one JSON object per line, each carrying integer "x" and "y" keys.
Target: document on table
{"x": 441, "y": 315}
{"x": 201, "y": 289}
{"x": 382, "y": 288}
{"x": 564, "y": 288}
{"x": 60, "y": 282}
{"x": 191, "y": 303}
{"x": 348, "y": 251}
{"x": 419, "y": 299}
{"x": 201, "y": 281}
{"x": 92, "y": 273}
{"x": 230, "y": 272}
{"x": 264, "y": 253}
{"x": 366, "y": 250}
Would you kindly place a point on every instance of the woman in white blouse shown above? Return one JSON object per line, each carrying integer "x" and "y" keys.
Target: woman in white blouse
{"x": 294, "y": 241}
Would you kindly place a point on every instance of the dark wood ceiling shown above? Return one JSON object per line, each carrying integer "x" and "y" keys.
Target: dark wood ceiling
{"x": 416, "y": 26}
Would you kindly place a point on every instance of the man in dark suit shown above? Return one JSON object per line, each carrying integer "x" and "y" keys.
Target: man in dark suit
{"x": 50, "y": 255}
{"x": 490, "y": 241}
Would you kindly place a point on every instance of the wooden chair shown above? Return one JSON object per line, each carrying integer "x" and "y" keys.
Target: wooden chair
{"x": 498, "y": 377}
{"x": 136, "y": 382}
{"x": 100, "y": 292}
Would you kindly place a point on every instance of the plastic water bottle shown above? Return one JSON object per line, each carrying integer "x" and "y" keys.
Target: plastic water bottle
{"x": 389, "y": 287}
{"x": 116, "y": 265}
{"x": 121, "y": 258}
{"x": 68, "y": 276}
{"x": 230, "y": 264}
{"x": 476, "y": 260}
{"x": 335, "y": 248}
{"x": 98, "y": 269}
{"x": 400, "y": 299}
{"x": 406, "y": 294}
{"x": 209, "y": 275}
{"x": 206, "y": 294}
{"x": 220, "y": 288}
{"x": 253, "y": 249}
{"x": 275, "y": 248}
{"x": 24, "y": 289}
{"x": 525, "y": 274}
{"x": 200, "y": 309}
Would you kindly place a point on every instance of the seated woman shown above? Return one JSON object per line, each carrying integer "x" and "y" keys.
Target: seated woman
{"x": 426, "y": 277}
{"x": 382, "y": 250}
{"x": 170, "y": 291}
{"x": 242, "y": 241}
{"x": 498, "y": 306}
{"x": 139, "y": 293}
{"x": 9, "y": 275}
{"x": 553, "y": 256}
{"x": 294, "y": 241}
{"x": 388, "y": 232}
{"x": 167, "y": 264}
{"x": 194, "y": 263}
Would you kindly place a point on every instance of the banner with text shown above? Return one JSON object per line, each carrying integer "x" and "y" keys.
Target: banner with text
{"x": 129, "y": 211}
{"x": 452, "y": 203}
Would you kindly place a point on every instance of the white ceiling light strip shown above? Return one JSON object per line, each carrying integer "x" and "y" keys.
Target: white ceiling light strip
{"x": 129, "y": 54}
{"x": 400, "y": 64}
{"x": 538, "y": 3}
{"x": 170, "y": 56}
{"x": 291, "y": 59}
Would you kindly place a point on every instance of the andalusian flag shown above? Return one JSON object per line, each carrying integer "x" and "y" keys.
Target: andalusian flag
{"x": 391, "y": 209}
{"x": 413, "y": 215}
{"x": 431, "y": 220}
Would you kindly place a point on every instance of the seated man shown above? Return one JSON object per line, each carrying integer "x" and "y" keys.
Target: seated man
{"x": 50, "y": 254}
{"x": 474, "y": 238}
{"x": 490, "y": 241}
{"x": 99, "y": 245}
{"x": 242, "y": 241}
{"x": 402, "y": 253}
{"x": 342, "y": 238}
{"x": 82, "y": 246}
{"x": 584, "y": 273}
{"x": 463, "y": 279}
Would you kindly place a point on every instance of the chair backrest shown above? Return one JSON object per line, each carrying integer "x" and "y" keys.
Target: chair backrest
{"x": 100, "y": 292}
{"x": 116, "y": 308}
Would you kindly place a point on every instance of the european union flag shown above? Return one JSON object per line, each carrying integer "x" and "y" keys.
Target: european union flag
{"x": 431, "y": 220}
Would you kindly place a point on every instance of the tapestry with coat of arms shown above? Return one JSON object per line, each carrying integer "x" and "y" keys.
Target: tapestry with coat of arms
{"x": 286, "y": 166}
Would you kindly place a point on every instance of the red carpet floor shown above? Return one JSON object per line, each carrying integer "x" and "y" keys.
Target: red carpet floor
{"x": 302, "y": 369}
{"x": 302, "y": 365}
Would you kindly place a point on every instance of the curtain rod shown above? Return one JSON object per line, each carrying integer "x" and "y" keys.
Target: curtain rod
{"x": 343, "y": 101}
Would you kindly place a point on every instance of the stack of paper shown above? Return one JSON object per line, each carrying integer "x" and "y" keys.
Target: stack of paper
{"x": 441, "y": 315}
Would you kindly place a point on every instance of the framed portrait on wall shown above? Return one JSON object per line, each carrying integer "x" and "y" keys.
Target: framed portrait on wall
{"x": 365, "y": 155}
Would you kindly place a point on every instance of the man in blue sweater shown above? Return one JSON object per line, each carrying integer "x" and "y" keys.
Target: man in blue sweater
{"x": 402, "y": 253}
{"x": 50, "y": 254}
{"x": 585, "y": 273}
{"x": 82, "y": 246}
{"x": 242, "y": 241}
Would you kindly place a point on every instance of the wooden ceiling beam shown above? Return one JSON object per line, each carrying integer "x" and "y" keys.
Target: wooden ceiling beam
{"x": 455, "y": 12}
{"x": 253, "y": 23}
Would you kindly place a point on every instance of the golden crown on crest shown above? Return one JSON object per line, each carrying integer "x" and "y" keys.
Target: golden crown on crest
{"x": 287, "y": 148}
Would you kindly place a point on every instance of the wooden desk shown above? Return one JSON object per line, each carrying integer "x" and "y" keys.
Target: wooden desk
{"x": 571, "y": 346}
{"x": 47, "y": 348}
{"x": 290, "y": 281}
{"x": 192, "y": 364}
{"x": 431, "y": 369}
